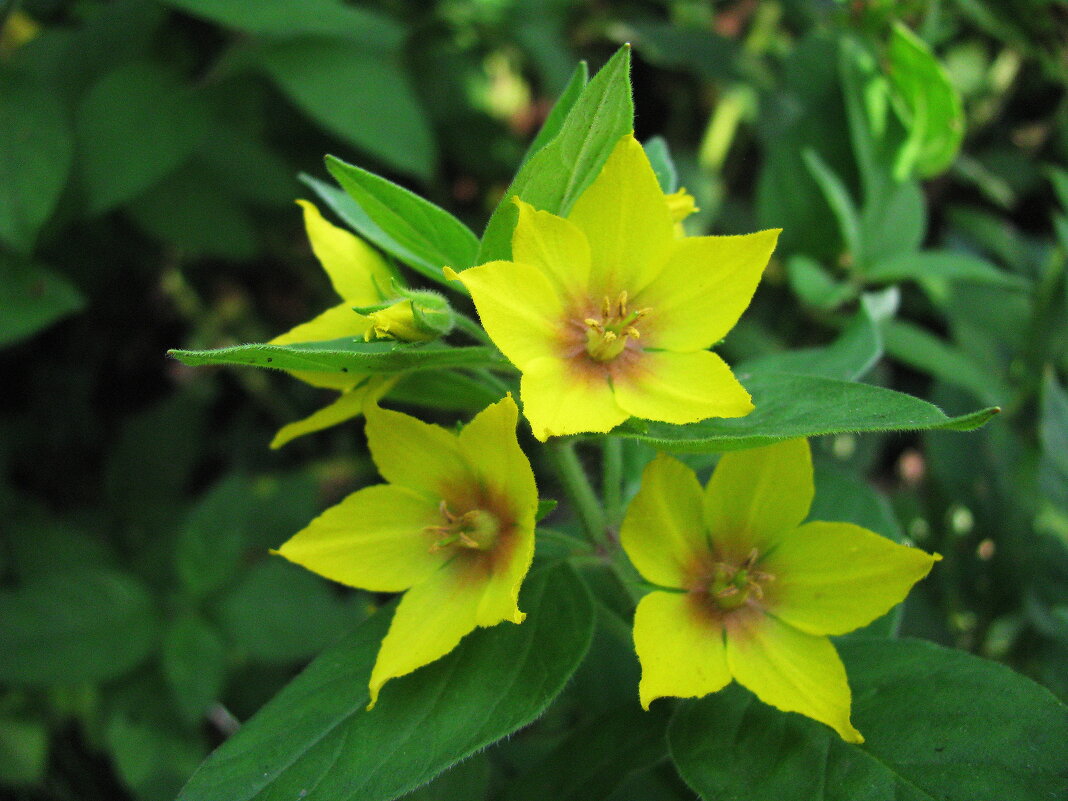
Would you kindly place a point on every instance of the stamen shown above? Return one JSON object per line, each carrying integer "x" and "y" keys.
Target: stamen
{"x": 607, "y": 337}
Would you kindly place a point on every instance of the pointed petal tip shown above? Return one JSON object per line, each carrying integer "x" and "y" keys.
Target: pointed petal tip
{"x": 451, "y": 274}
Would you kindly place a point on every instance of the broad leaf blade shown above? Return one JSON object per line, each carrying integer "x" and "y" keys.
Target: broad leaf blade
{"x": 561, "y": 108}
{"x": 789, "y": 406}
{"x": 945, "y": 265}
{"x": 554, "y": 177}
{"x": 939, "y": 725}
{"x": 34, "y": 160}
{"x": 344, "y": 356}
{"x": 422, "y": 235}
{"x": 317, "y": 732}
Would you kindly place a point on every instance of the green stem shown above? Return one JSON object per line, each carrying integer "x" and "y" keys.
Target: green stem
{"x": 471, "y": 328}
{"x": 579, "y": 490}
{"x": 612, "y": 481}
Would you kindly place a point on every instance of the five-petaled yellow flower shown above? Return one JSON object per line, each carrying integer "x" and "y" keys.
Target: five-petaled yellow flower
{"x": 454, "y": 527}
{"x": 751, "y": 592}
{"x": 609, "y": 313}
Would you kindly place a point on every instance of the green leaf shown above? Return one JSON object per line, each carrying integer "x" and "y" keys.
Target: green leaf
{"x": 357, "y": 93}
{"x": 894, "y": 223}
{"x": 31, "y": 299}
{"x": 815, "y": 286}
{"x": 841, "y": 202}
{"x": 659, "y": 155}
{"x": 417, "y": 232}
{"x": 918, "y": 348}
{"x": 194, "y": 665}
{"x": 939, "y": 725}
{"x": 554, "y": 122}
{"x": 190, "y": 210}
{"x": 212, "y": 538}
{"x": 554, "y": 177}
{"x": 317, "y": 732}
{"x": 789, "y": 406}
{"x": 1053, "y": 432}
{"x": 927, "y": 103}
{"x": 945, "y": 265}
{"x": 74, "y": 626}
{"x": 23, "y": 751}
{"x": 34, "y": 160}
{"x": 345, "y": 355}
{"x": 279, "y": 612}
{"x": 284, "y": 18}
{"x": 445, "y": 389}
{"x": 134, "y": 126}
{"x": 611, "y": 745}
{"x": 848, "y": 358}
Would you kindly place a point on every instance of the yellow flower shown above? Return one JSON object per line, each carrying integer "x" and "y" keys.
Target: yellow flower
{"x": 454, "y": 527}
{"x": 751, "y": 593}
{"x": 359, "y": 275}
{"x": 608, "y": 314}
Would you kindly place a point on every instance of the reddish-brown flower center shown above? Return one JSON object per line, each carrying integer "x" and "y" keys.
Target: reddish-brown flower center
{"x": 732, "y": 585}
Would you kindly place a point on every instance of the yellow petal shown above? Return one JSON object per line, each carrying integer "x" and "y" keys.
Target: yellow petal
{"x": 432, "y": 618}
{"x": 831, "y": 578}
{"x": 757, "y": 495}
{"x": 791, "y": 670}
{"x": 626, "y": 220}
{"x": 414, "y": 454}
{"x": 663, "y": 531}
{"x": 560, "y": 399}
{"x": 703, "y": 289}
{"x": 556, "y": 247}
{"x": 359, "y": 275}
{"x": 680, "y": 649}
{"x": 348, "y": 406}
{"x": 681, "y": 388}
{"x": 490, "y": 446}
{"x": 375, "y": 539}
{"x": 518, "y": 307}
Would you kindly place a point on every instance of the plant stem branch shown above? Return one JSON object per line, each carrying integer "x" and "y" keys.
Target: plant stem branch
{"x": 612, "y": 481}
{"x": 579, "y": 490}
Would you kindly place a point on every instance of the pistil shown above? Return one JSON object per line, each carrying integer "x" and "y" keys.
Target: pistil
{"x": 731, "y": 586}
{"x": 606, "y": 337}
{"x": 476, "y": 529}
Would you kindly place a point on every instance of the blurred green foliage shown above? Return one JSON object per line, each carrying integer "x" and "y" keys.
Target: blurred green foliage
{"x": 914, "y": 153}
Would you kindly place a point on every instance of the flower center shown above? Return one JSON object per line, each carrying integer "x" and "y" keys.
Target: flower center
{"x": 476, "y": 529}
{"x": 732, "y": 586}
{"x": 607, "y": 335}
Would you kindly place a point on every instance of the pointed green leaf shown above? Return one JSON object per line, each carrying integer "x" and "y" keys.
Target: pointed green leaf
{"x": 659, "y": 155}
{"x": 928, "y": 104}
{"x": 554, "y": 177}
{"x": 944, "y": 265}
{"x": 939, "y": 725}
{"x": 420, "y": 234}
{"x": 194, "y": 665}
{"x": 554, "y": 122}
{"x": 789, "y": 406}
{"x": 318, "y": 734}
{"x": 345, "y": 355}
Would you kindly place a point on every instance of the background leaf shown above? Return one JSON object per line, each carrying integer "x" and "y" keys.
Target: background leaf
{"x": 169, "y": 120}
{"x": 74, "y": 626}
{"x": 31, "y": 299}
{"x": 379, "y": 113}
{"x": 35, "y": 157}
